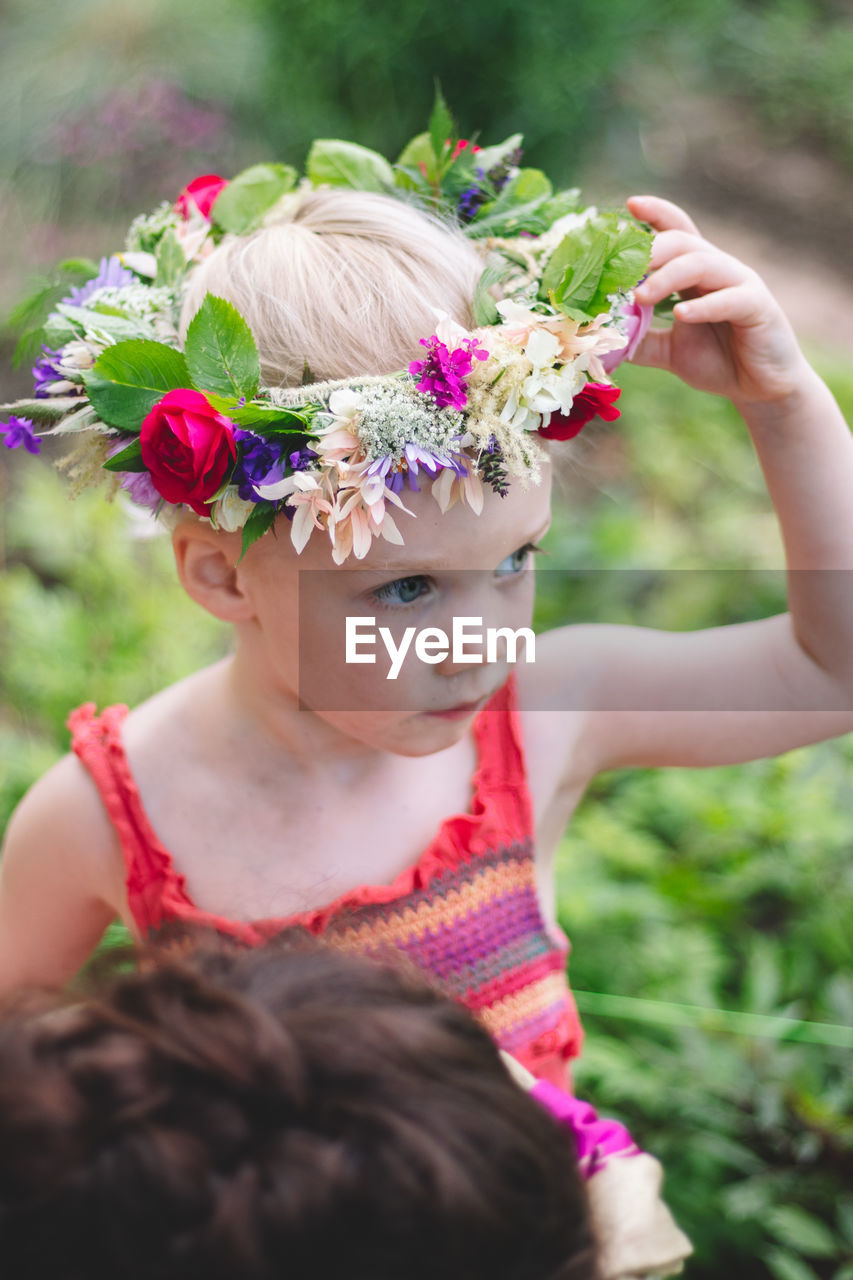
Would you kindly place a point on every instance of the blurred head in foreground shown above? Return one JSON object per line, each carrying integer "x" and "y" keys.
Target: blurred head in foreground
{"x": 289, "y": 1111}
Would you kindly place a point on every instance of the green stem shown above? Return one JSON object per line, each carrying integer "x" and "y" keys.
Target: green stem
{"x": 667, "y": 1014}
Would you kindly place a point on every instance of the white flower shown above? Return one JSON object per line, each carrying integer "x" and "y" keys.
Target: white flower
{"x": 231, "y": 511}
{"x": 192, "y": 234}
{"x": 542, "y": 348}
{"x": 281, "y": 488}
{"x": 345, "y": 408}
{"x": 448, "y": 331}
{"x": 79, "y": 355}
{"x": 346, "y": 404}
{"x": 516, "y": 315}
{"x": 144, "y": 264}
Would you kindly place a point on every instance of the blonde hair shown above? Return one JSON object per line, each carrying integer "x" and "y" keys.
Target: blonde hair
{"x": 346, "y": 286}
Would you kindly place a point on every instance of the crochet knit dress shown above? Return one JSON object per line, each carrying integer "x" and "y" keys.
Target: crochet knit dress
{"x": 466, "y": 912}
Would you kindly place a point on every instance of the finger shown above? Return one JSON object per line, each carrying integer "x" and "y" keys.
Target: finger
{"x": 661, "y": 214}
{"x": 669, "y": 244}
{"x": 741, "y": 304}
{"x": 703, "y": 270}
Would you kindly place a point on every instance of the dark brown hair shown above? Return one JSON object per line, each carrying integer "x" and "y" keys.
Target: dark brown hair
{"x": 285, "y": 1112}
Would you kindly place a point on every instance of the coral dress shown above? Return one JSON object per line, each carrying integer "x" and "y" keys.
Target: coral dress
{"x": 467, "y": 912}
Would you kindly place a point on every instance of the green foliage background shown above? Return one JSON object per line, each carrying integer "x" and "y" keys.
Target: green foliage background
{"x": 727, "y": 888}
{"x": 694, "y": 890}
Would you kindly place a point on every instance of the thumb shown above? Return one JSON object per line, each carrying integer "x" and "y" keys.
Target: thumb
{"x": 654, "y": 350}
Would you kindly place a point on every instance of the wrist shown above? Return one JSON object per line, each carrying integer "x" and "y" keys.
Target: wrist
{"x": 804, "y": 388}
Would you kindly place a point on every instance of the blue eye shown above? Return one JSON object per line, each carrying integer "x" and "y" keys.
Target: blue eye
{"x": 402, "y": 590}
{"x": 517, "y": 562}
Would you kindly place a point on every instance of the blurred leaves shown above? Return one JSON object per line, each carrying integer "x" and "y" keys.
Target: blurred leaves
{"x": 727, "y": 888}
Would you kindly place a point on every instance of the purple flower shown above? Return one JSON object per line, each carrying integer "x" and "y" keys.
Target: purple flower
{"x": 443, "y": 373}
{"x": 45, "y": 371}
{"x": 415, "y": 457}
{"x": 138, "y": 484}
{"x": 471, "y": 199}
{"x": 301, "y": 459}
{"x": 18, "y": 432}
{"x": 262, "y": 461}
{"x": 140, "y": 487}
{"x": 111, "y": 275}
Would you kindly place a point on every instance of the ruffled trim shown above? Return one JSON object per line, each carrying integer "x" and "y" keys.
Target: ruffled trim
{"x": 501, "y": 812}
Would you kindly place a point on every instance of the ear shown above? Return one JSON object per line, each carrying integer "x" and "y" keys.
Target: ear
{"x": 206, "y": 559}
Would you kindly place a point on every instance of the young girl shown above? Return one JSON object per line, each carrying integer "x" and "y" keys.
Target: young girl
{"x": 286, "y": 785}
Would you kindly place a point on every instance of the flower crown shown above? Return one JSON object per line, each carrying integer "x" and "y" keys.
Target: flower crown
{"x": 191, "y": 425}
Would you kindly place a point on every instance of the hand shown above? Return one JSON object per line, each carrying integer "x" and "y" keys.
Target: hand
{"x": 730, "y": 336}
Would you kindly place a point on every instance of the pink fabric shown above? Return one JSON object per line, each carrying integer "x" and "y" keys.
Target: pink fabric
{"x": 596, "y": 1140}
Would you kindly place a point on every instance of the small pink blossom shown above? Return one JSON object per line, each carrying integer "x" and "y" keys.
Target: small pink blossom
{"x": 636, "y": 318}
{"x": 442, "y": 374}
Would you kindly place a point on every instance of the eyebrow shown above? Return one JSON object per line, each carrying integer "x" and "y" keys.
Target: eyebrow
{"x": 409, "y": 570}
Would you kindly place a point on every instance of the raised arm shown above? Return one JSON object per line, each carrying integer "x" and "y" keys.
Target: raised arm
{"x": 735, "y": 693}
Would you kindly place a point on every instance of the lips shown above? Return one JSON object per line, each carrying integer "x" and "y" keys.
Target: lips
{"x": 461, "y": 709}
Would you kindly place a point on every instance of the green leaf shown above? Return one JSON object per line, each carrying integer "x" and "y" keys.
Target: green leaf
{"x": 561, "y": 203}
{"x": 117, "y": 326}
{"x": 50, "y": 409}
{"x": 58, "y": 330}
{"x": 241, "y": 206}
{"x": 573, "y": 273}
{"x": 128, "y": 379}
{"x": 593, "y": 262}
{"x": 130, "y": 459}
{"x": 346, "y": 164}
{"x": 485, "y": 308}
{"x": 628, "y": 259}
{"x": 259, "y": 522}
{"x": 269, "y": 419}
{"x": 441, "y": 127}
{"x": 516, "y": 208}
{"x": 787, "y": 1266}
{"x": 31, "y": 314}
{"x": 407, "y": 170}
{"x": 171, "y": 260}
{"x": 845, "y": 1219}
{"x": 220, "y": 350}
{"x": 800, "y": 1230}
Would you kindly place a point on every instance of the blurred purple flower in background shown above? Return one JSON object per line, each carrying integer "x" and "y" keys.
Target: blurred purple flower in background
{"x": 111, "y": 275}
{"x": 18, "y": 433}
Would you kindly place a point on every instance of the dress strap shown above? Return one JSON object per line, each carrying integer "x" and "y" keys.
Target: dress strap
{"x": 157, "y": 892}
{"x": 502, "y": 770}
{"x": 96, "y": 741}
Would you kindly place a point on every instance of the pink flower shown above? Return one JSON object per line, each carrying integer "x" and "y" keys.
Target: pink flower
{"x": 442, "y": 375}
{"x": 188, "y": 448}
{"x": 200, "y": 194}
{"x": 595, "y": 400}
{"x": 637, "y": 318}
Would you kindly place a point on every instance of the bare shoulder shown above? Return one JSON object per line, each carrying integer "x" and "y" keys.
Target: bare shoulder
{"x": 60, "y": 879}
{"x": 61, "y": 827}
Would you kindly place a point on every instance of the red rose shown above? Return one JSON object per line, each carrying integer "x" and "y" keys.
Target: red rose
{"x": 188, "y": 448}
{"x": 200, "y": 194}
{"x": 596, "y": 400}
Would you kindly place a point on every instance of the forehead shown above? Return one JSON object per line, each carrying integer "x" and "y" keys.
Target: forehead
{"x": 457, "y": 539}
